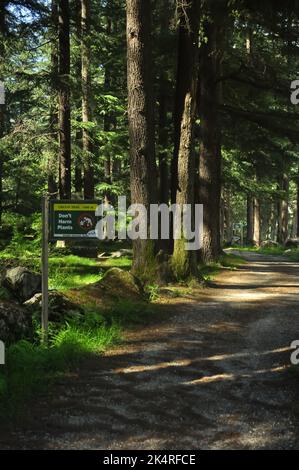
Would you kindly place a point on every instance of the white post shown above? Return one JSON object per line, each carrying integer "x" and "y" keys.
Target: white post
{"x": 45, "y": 268}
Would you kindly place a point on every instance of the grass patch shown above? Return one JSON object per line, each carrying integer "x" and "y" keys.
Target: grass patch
{"x": 274, "y": 250}
{"x": 68, "y": 272}
{"x": 231, "y": 261}
{"x": 292, "y": 253}
{"x": 65, "y": 272}
{"x": 31, "y": 367}
{"x": 210, "y": 270}
{"x": 122, "y": 262}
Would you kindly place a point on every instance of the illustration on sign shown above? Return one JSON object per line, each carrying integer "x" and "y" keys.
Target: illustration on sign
{"x": 73, "y": 219}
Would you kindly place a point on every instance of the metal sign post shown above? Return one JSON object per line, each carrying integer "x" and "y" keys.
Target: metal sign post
{"x": 63, "y": 220}
{"x": 45, "y": 268}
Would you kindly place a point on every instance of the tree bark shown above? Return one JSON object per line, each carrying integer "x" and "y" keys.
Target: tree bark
{"x": 164, "y": 186}
{"x": 52, "y": 159}
{"x": 283, "y": 209}
{"x": 141, "y": 125}
{"x": 256, "y": 222}
{"x": 228, "y": 226}
{"x": 2, "y": 106}
{"x": 163, "y": 144}
{"x": 64, "y": 119}
{"x": 184, "y": 261}
{"x": 182, "y": 66}
{"x": 249, "y": 235}
{"x": 210, "y": 152}
{"x": 87, "y": 145}
{"x": 107, "y": 119}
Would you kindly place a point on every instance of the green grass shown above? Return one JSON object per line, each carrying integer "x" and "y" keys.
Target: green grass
{"x": 122, "y": 262}
{"x": 65, "y": 272}
{"x": 68, "y": 272}
{"x": 31, "y": 367}
{"x": 230, "y": 261}
{"x": 275, "y": 250}
{"x": 292, "y": 253}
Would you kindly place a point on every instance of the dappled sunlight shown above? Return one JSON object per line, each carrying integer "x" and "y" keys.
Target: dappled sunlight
{"x": 223, "y": 377}
{"x": 162, "y": 365}
{"x": 215, "y": 358}
{"x": 225, "y": 327}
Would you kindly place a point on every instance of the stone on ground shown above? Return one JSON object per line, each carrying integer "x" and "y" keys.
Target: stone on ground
{"x": 22, "y": 283}
{"x": 15, "y": 322}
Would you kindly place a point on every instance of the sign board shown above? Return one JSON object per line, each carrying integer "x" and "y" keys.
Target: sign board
{"x": 75, "y": 220}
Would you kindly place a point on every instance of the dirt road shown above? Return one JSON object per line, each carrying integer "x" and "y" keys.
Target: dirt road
{"x": 214, "y": 375}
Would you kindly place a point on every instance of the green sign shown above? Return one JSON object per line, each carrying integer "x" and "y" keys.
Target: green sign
{"x": 73, "y": 220}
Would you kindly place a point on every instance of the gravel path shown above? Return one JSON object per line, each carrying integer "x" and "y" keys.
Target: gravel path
{"x": 214, "y": 375}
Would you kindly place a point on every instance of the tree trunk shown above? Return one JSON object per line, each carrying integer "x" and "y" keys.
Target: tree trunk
{"x": 179, "y": 101}
{"x": 283, "y": 209}
{"x": 228, "y": 226}
{"x": 64, "y": 101}
{"x": 163, "y": 107}
{"x": 256, "y": 222}
{"x": 297, "y": 229}
{"x": 272, "y": 223}
{"x": 2, "y": 106}
{"x": 87, "y": 146}
{"x": 52, "y": 159}
{"x": 249, "y": 235}
{"x": 141, "y": 125}
{"x": 184, "y": 261}
{"x": 210, "y": 153}
{"x": 163, "y": 144}
{"x": 107, "y": 119}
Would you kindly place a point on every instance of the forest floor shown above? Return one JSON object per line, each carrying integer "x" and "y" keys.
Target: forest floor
{"x": 212, "y": 374}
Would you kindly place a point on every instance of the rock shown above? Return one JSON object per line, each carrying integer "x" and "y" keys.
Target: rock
{"x": 119, "y": 283}
{"x": 59, "y": 305}
{"x": 15, "y": 322}
{"x": 292, "y": 243}
{"x": 22, "y": 283}
{"x": 269, "y": 244}
{"x": 122, "y": 253}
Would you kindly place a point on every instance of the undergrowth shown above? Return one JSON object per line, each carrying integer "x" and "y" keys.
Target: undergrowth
{"x": 31, "y": 367}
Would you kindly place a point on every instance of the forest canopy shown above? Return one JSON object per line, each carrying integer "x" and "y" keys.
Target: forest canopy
{"x": 82, "y": 99}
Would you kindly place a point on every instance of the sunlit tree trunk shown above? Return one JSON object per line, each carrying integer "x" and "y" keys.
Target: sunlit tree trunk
{"x": 163, "y": 87}
{"x": 184, "y": 261}
{"x": 249, "y": 235}
{"x": 256, "y": 222}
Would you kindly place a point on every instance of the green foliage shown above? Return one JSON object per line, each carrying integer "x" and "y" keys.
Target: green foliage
{"x": 292, "y": 253}
{"x": 31, "y": 367}
{"x": 229, "y": 261}
{"x": 153, "y": 291}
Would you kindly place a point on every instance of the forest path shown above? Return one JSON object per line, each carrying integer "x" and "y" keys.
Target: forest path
{"x": 213, "y": 375}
